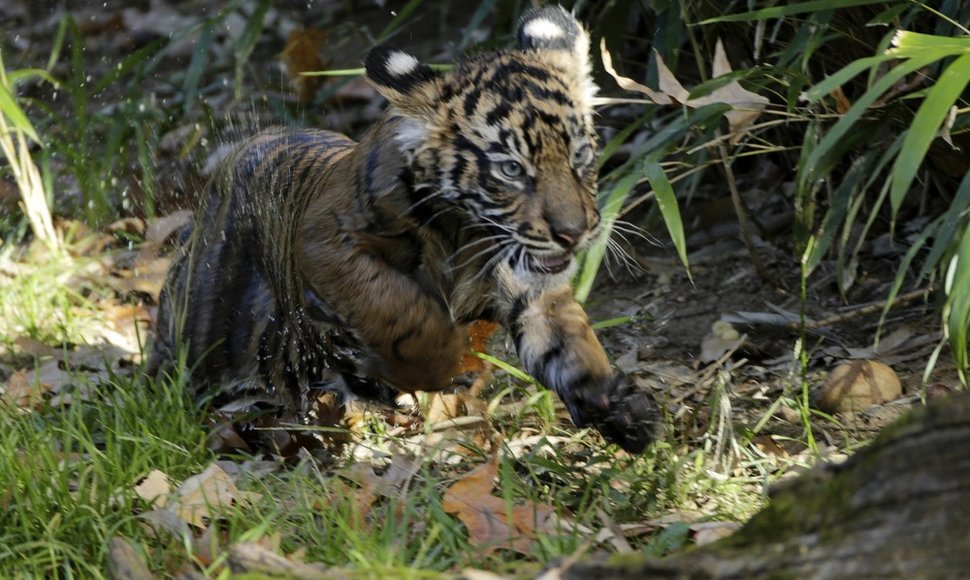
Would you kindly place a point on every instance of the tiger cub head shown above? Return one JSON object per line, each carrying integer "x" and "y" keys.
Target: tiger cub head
{"x": 506, "y": 138}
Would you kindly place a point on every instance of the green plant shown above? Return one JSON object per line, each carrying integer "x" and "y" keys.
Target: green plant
{"x": 15, "y": 130}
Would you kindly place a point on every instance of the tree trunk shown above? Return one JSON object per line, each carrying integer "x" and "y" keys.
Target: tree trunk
{"x": 898, "y": 508}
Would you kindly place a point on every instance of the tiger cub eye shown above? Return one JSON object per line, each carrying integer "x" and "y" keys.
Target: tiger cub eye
{"x": 511, "y": 169}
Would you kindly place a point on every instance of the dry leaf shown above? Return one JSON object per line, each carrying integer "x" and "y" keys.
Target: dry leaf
{"x": 709, "y": 532}
{"x": 259, "y": 560}
{"x": 372, "y": 486}
{"x": 199, "y": 494}
{"x": 161, "y": 229}
{"x": 842, "y": 104}
{"x": 479, "y": 333}
{"x": 154, "y": 488}
{"x": 721, "y": 339}
{"x": 444, "y": 406}
{"x": 668, "y": 83}
{"x": 951, "y": 118}
{"x": 124, "y": 561}
{"x": 629, "y": 84}
{"x": 35, "y": 348}
{"x": 746, "y": 105}
{"x": 23, "y": 392}
{"x": 302, "y": 54}
{"x": 492, "y": 524}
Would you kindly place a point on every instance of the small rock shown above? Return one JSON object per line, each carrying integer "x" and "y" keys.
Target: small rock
{"x": 855, "y": 385}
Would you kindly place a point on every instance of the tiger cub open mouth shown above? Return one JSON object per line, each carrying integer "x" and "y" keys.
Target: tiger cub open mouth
{"x": 551, "y": 264}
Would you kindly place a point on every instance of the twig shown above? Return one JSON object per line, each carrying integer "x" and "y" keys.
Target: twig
{"x": 742, "y": 212}
{"x": 862, "y": 311}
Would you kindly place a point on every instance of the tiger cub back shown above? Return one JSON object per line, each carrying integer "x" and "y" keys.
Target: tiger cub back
{"x": 320, "y": 263}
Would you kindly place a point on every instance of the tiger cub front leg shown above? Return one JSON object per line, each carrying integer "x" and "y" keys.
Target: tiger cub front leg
{"x": 557, "y": 346}
{"x": 417, "y": 343}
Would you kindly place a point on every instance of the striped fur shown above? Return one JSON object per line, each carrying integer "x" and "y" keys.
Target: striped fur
{"x": 320, "y": 263}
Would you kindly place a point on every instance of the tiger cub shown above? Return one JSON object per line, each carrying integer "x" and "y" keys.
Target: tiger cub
{"x": 318, "y": 263}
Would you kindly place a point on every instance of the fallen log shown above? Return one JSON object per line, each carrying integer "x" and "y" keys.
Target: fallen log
{"x": 898, "y": 508}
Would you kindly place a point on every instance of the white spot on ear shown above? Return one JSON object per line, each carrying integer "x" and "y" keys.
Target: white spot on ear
{"x": 544, "y": 29}
{"x": 401, "y": 63}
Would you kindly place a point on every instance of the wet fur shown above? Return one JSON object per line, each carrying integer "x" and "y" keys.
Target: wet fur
{"x": 318, "y": 262}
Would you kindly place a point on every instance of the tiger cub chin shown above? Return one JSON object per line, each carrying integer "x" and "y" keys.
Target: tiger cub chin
{"x": 321, "y": 263}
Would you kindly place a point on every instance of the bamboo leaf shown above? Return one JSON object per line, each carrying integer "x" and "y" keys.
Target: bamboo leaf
{"x": 951, "y": 219}
{"x": 789, "y": 10}
{"x": 23, "y": 74}
{"x": 669, "y": 208}
{"x": 907, "y": 44}
{"x": 925, "y": 126}
{"x": 509, "y": 368}
{"x": 956, "y": 313}
{"x": 136, "y": 58}
{"x": 808, "y": 172}
{"x": 596, "y": 251}
{"x": 832, "y": 82}
{"x": 836, "y": 214}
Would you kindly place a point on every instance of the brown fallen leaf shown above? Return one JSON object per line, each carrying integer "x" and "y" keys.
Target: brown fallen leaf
{"x": 842, "y": 104}
{"x": 479, "y": 333}
{"x": 154, "y": 488}
{"x": 709, "y": 532}
{"x": 492, "y": 524}
{"x": 198, "y": 495}
{"x": 722, "y": 338}
{"x": 629, "y": 84}
{"x": 257, "y": 559}
{"x": 124, "y": 561}
{"x": 372, "y": 486}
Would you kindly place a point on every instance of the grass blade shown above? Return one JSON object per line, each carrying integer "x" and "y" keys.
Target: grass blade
{"x": 907, "y": 44}
{"x": 190, "y": 89}
{"x": 10, "y": 109}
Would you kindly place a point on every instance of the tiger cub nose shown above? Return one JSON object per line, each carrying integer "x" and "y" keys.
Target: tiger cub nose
{"x": 567, "y": 236}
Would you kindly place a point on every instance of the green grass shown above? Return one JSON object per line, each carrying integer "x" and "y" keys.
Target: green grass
{"x": 67, "y": 477}
{"x": 68, "y": 472}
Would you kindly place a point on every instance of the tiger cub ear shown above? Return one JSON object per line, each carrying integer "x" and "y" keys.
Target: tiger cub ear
{"x": 407, "y": 84}
{"x": 551, "y": 28}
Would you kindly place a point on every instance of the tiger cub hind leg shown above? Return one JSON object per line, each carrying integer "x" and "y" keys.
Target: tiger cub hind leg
{"x": 557, "y": 345}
